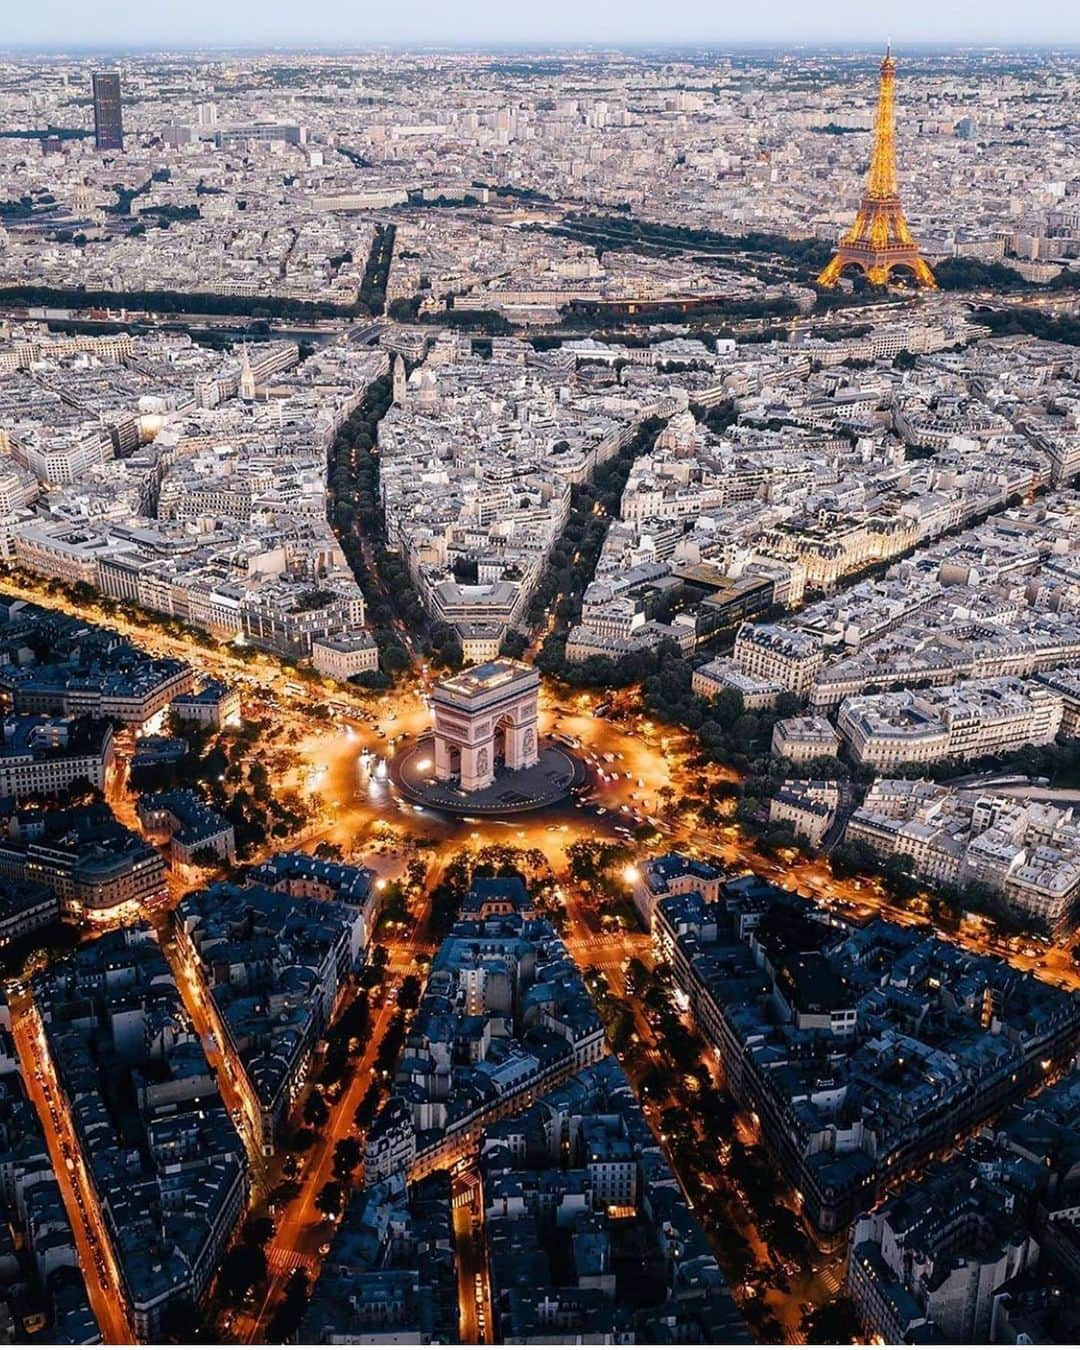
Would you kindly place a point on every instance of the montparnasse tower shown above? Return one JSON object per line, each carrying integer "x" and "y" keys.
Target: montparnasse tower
{"x": 880, "y": 239}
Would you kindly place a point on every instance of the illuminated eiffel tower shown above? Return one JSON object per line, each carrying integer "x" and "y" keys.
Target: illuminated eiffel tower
{"x": 880, "y": 239}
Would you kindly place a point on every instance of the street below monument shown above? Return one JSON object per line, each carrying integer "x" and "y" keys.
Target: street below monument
{"x": 331, "y": 745}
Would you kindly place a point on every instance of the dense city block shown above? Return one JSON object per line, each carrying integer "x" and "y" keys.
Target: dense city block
{"x": 539, "y": 684}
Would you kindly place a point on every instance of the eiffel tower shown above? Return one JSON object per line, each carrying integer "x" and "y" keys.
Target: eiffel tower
{"x": 880, "y": 239}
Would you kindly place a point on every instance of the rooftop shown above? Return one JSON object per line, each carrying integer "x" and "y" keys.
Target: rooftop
{"x": 487, "y": 678}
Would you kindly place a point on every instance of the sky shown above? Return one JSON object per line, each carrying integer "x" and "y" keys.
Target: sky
{"x": 65, "y": 24}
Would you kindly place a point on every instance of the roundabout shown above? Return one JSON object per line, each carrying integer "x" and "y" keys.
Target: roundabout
{"x": 512, "y": 791}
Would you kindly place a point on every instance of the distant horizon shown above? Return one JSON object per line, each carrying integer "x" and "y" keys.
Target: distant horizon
{"x": 536, "y": 47}
{"x": 57, "y": 26}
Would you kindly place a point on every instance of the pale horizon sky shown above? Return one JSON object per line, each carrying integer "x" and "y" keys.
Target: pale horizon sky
{"x": 71, "y": 24}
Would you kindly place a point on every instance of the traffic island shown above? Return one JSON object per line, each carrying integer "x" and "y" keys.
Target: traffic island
{"x": 551, "y": 779}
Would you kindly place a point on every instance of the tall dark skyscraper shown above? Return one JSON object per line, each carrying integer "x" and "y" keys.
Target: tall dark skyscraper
{"x": 108, "y": 111}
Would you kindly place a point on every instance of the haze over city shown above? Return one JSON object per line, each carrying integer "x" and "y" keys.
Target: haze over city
{"x": 57, "y": 24}
{"x": 539, "y": 675}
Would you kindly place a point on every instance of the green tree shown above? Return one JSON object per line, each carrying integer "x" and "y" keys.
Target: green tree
{"x": 316, "y": 1112}
{"x": 242, "y": 1269}
{"x": 409, "y": 993}
{"x": 365, "y": 1111}
{"x": 258, "y": 1230}
{"x": 346, "y": 1157}
{"x": 834, "y": 1324}
{"x": 329, "y": 1200}
{"x": 286, "y": 1320}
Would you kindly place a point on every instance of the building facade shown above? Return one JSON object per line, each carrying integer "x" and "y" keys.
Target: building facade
{"x": 108, "y": 110}
{"x": 484, "y": 714}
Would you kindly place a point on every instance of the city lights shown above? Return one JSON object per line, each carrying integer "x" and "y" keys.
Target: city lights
{"x": 540, "y": 689}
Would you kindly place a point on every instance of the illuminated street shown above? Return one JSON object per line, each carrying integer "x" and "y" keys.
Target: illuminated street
{"x": 329, "y": 744}
{"x": 540, "y": 672}
{"x": 328, "y": 728}
{"x": 474, "y": 1290}
{"x": 96, "y": 1258}
{"x": 300, "y": 1228}
{"x": 232, "y": 1082}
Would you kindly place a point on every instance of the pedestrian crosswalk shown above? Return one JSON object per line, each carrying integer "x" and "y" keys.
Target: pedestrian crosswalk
{"x": 619, "y": 942}
{"x": 281, "y": 1258}
{"x": 832, "y": 1277}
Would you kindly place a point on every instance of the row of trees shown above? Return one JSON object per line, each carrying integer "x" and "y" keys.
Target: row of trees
{"x": 245, "y": 1268}
{"x": 521, "y": 194}
{"x": 488, "y": 321}
{"x": 178, "y": 302}
{"x": 620, "y": 231}
{"x": 573, "y": 560}
{"x": 372, "y": 298}
{"x": 377, "y": 270}
{"x": 972, "y": 274}
{"x": 734, "y": 1184}
{"x": 354, "y": 512}
{"x": 344, "y": 1042}
{"x": 1035, "y": 322}
{"x": 1058, "y": 763}
{"x": 739, "y": 1198}
{"x": 582, "y": 316}
{"x": 946, "y": 903}
{"x": 166, "y": 212}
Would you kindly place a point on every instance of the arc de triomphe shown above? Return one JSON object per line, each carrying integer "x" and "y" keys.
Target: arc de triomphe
{"x": 476, "y": 709}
